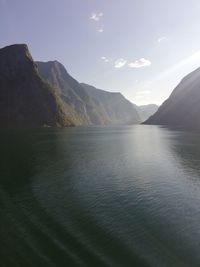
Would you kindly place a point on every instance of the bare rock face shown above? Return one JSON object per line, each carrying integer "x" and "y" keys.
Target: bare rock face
{"x": 25, "y": 99}
{"x": 77, "y": 102}
{"x": 84, "y": 103}
{"x": 182, "y": 108}
{"x": 115, "y": 107}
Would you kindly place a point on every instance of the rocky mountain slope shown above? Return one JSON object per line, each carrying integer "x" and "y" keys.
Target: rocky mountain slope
{"x": 86, "y": 104}
{"x": 25, "y": 99}
{"x": 38, "y": 94}
{"x": 182, "y": 108}
{"x": 78, "y": 104}
{"x": 115, "y": 107}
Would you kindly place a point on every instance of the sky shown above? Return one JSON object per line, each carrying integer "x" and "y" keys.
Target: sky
{"x": 141, "y": 48}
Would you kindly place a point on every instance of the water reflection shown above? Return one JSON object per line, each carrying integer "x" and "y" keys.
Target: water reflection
{"x": 100, "y": 196}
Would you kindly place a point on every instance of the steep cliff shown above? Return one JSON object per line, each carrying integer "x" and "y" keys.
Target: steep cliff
{"x": 115, "y": 107}
{"x": 25, "y": 99}
{"x": 182, "y": 108}
{"x": 86, "y": 104}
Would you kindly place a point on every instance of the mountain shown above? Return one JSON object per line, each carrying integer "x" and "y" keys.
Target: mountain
{"x": 86, "y": 104}
{"x": 25, "y": 99}
{"x": 145, "y": 111}
{"x": 115, "y": 107}
{"x": 78, "y": 104}
{"x": 182, "y": 108}
{"x": 38, "y": 94}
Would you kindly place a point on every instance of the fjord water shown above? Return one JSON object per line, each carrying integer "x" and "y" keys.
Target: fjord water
{"x": 100, "y": 196}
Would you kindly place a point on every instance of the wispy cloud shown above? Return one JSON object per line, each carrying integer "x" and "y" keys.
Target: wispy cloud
{"x": 105, "y": 59}
{"x": 140, "y": 63}
{"x": 96, "y": 16}
{"x": 120, "y": 63}
{"x": 100, "y": 29}
{"x": 162, "y": 39}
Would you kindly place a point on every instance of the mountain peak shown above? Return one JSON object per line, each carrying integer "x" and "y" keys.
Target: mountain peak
{"x": 51, "y": 64}
{"x": 26, "y": 100}
{"x": 19, "y": 47}
{"x": 14, "y": 58}
{"x": 17, "y": 50}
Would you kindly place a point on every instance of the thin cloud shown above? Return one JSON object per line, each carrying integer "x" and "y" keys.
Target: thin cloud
{"x": 162, "y": 39}
{"x": 140, "y": 63}
{"x": 100, "y": 29}
{"x": 96, "y": 16}
{"x": 120, "y": 63}
{"x": 105, "y": 59}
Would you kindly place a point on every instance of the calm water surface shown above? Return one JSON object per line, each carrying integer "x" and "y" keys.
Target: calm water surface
{"x": 100, "y": 196}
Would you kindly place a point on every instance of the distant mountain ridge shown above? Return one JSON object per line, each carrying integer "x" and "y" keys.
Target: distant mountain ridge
{"x": 182, "y": 108}
{"x": 145, "y": 111}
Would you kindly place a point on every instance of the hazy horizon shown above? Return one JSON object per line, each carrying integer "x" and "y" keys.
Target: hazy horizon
{"x": 141, "y": 49}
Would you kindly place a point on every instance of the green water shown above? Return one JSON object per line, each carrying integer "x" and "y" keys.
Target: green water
{"x": 100, "y": 196}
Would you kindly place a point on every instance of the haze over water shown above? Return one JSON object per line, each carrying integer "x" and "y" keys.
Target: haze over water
{"x": 100, "y": 196}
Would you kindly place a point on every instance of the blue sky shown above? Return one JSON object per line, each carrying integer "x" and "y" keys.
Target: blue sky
{"x": 141, "y": 48}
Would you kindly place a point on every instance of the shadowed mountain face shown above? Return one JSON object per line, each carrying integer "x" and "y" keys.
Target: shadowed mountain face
{"x": 115, "y": 107}
{"x": 77, "y": 103}
{"x": 182, "y": 107}
{"x": 86, "y": 104}
{"x": 145, "y": 111}
{"x": 25, "y": 99}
